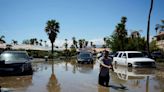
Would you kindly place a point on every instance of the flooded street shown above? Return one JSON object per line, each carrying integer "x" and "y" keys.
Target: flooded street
{"x": 68, "y": 76}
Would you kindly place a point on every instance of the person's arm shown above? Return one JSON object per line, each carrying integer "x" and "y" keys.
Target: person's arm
{"x": 101, "y": 62}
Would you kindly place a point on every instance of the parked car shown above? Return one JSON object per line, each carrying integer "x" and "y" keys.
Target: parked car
{"x": 156, "y": 54}
{"x": 85, "y": 57}
{"x": 133, "y": 59}
{"x": 112, "y": 54}
{"x": 15, "y": 62}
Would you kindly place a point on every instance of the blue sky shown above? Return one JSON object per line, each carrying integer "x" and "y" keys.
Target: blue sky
{"x": 88, "y": 19}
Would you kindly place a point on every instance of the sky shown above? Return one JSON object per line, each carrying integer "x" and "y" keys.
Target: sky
{"x": 87, "y": 19}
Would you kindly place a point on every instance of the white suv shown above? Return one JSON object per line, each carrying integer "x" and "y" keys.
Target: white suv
{"x": 132, "y": 59}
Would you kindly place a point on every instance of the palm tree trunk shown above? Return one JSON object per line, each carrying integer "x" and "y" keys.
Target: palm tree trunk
{"x": 52, "y": 48}
{"x": 148, "y": 27}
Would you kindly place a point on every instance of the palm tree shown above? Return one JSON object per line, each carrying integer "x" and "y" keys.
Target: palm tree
{"x": 121, "y": 32}
{"x": 159, "y": 27}
{"x": 148, "y": 27}
{"x": 80, "y": 43}
{"x": 45, "y": 42}
{"x": 105, "y": 39}
{"x": 2, "y": 39}
{"x": 86, "y": 43}
{"x": 74, "y": 42}
{"x": 52, "y": 29}
{"x": 40, "y": 42}
{"x": 14, "y": 42}
{"x": 66, "y": 44}
{"x": 91, "y": 43}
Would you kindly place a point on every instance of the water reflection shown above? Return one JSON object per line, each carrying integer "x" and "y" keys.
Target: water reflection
{"x": 126, "y": 73}
{"x": 53, "y": 85}
{"x": 15, "y": 82}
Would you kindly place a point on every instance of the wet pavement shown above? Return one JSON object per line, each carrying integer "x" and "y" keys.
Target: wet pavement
{"x": 68, "y": 76}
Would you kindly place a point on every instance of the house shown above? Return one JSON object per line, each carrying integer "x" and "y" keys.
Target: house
{"x": 160, "y": 40}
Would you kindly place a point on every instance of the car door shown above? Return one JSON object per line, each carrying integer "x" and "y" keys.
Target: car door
{"x": 119, "y": 61}
{"x": 124, "y": 59}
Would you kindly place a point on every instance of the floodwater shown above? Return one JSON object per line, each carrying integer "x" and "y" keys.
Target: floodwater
{"x": 68, "y": 76}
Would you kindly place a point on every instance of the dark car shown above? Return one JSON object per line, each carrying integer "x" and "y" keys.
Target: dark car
{"x": 112, "y": 54}
{"x": 156, "y": 54}
{"x": 15, "y": 62}
{"x": 85, "y": 57}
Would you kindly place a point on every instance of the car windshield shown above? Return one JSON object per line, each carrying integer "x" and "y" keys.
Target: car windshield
{"x": 13, "y": 56}
{"x": 135, "y": 55}
{"x": 85, "y": 55}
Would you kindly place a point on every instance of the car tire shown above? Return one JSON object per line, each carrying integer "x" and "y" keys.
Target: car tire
{"x": 129, "y": 65}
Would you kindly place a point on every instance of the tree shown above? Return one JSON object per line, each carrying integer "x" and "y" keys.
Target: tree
{"x": 40, "y": 42}
{"x": 45, "y": 42}
{"x": 159, "y": 27}
{"x": 15, "y": 42}
{"x": 74, "y": 42}
{"x": 2, "y": 39}
{"x": 80, "y": 43}
{"x": 91, "y": 43}
{"x": 52, "y": 29}
{"x": 66, "y": 44}
{"x": 121, "y": 32}
{"x": 105, "y": 42}
{"x": 86, "y": 43}
{"x": 26, "y": 41}
{"x": 148, "y": 27}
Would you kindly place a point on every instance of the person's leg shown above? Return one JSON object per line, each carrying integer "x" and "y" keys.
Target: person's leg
{"x": 107, "y": 80}
{"x": 101, "y": 80}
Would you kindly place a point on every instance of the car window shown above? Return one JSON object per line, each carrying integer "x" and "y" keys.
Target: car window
{"x": 13, "y": 56}
{"x": 85, "y": 55}
{"x": 135, "y": 55}
{"x": 124, "y": 55}
{"x": 120, "y": 55}
{"x": 116, "y": 55}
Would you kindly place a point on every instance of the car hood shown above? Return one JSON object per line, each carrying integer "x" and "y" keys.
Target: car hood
{"x": 18, "y": 61}
{"x": 141, "y": 59}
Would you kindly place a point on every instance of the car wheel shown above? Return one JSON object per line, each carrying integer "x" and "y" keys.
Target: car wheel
{"x": 115, "y": 63}
{"x": 129, "y": 65}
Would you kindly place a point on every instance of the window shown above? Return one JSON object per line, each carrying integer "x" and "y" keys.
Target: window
{"x": 120, "y": 55}
{"x": 116, "y": 55}
{"x": 135, "y": 55}
{"x": 124, "y": 55}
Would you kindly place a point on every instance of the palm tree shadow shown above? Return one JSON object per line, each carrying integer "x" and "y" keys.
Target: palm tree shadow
{"x": 121, "y": 87}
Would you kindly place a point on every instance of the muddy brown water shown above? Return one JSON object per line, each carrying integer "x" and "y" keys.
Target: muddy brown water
{"x": 68, "y": 76}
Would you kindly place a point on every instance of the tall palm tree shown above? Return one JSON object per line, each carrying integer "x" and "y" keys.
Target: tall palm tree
{"x": 148, "y": 27}
{"x": 52, "y": 29}
{"x": 2, "y": 39}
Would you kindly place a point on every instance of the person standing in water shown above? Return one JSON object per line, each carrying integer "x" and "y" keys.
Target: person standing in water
{"x": 105, "y": 64}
